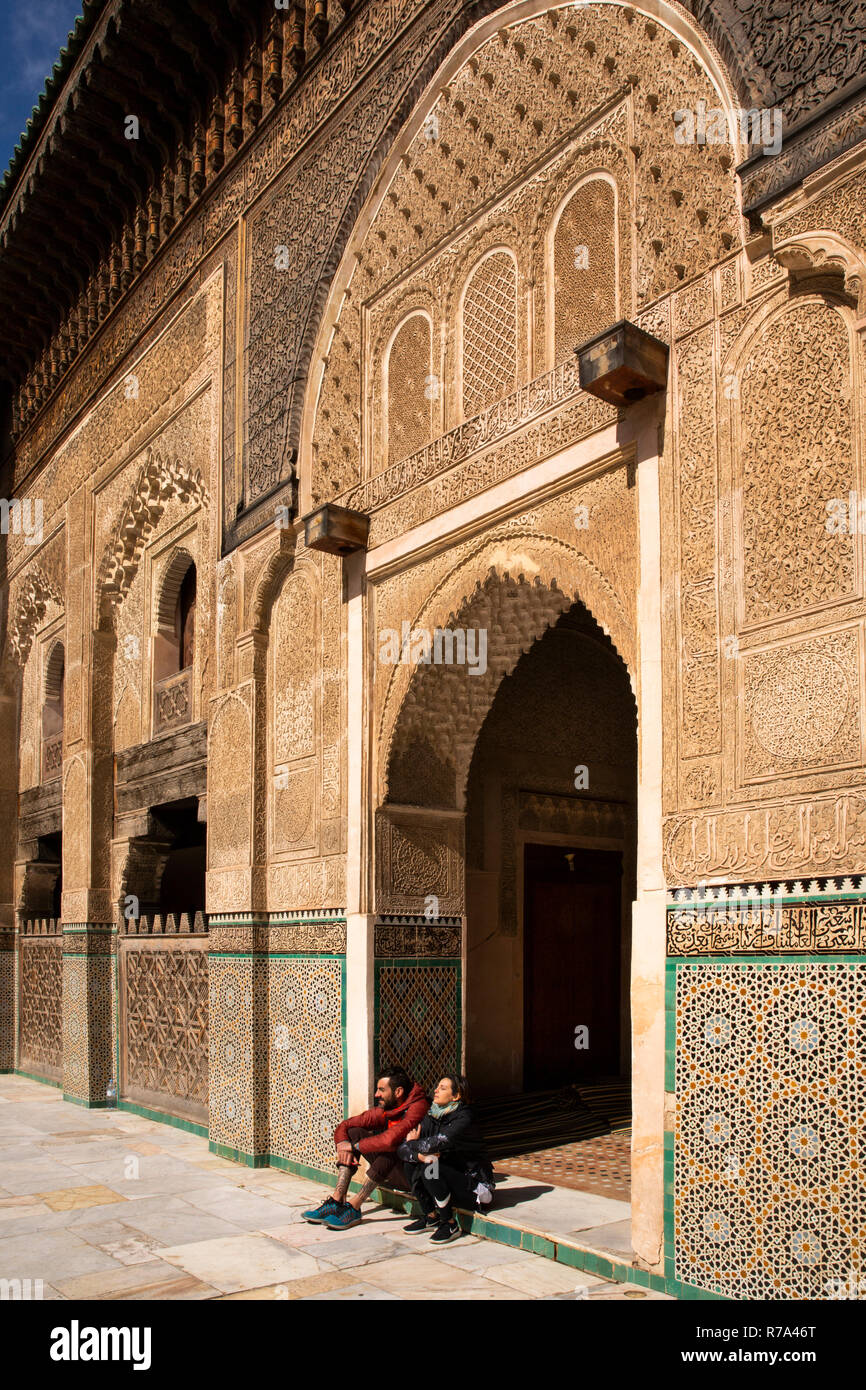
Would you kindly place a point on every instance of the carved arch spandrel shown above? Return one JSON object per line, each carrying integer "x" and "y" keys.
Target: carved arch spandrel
{"x": 479, "y": 87}
{"x": 822, "y": 252}
{"x": 159, "y": 479}
{"x": 34, "y": 595}
{"x": 262, "y": 589}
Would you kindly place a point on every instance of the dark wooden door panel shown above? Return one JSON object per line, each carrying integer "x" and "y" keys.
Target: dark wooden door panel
{"x": 572, "y": 923}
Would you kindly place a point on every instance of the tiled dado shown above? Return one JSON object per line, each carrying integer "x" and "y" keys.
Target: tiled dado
{"x": 89, "y": 1011}
{"x": 764, "y": 1191}
{"x": 277, "y": 1036}
{"x": 418, "y": 996}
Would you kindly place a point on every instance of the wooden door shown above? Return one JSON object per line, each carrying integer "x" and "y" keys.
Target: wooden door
{"x": 572, "y": 930}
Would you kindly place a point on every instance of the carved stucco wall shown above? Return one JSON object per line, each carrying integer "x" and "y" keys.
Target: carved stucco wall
{"x": 549, "y": 563}
{"x": 136, "y": 474}
{"x": 307, "y": 715}
{"x": 487, "y": 206}
{"x": 764, "y": 597}
{"x": 793, "y": 54}
{"x": 290, "y": 665}
{"x": 155, "y": 505}
{"x": 531, "y": 98}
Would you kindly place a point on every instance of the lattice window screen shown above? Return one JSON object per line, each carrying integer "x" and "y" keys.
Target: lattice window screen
{"x": 489, "y": 333}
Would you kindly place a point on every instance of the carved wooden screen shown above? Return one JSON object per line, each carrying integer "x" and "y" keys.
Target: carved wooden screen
{"x": 164, "y": 1014}
{"x": 40, "y": 1036}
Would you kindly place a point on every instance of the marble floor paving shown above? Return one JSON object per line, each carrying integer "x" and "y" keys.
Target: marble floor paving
{"x": 110, "y": 1205}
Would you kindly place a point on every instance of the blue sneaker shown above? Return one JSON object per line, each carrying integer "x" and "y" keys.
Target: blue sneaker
{"x": 342, "y": 1220}
{"x": 317, "y": 1216}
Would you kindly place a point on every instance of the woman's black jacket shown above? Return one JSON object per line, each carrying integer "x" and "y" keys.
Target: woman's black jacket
{"x": 455, "y": 1137}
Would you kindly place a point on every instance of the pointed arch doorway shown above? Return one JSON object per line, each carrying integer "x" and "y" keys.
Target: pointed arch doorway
{"x": 528, "y": 773}
{"x": 551, "y": 831}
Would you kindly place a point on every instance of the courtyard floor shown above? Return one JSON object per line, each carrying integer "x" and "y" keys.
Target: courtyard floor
{"x": 108, "y": 1205}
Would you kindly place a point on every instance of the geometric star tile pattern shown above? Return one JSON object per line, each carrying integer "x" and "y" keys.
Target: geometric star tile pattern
{"x": 769, "y": 1198}
{"x": 41, "y": 1020}
{"x": 305, "y": 1057}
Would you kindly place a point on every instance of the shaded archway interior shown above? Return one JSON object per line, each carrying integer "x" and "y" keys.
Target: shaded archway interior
{"x": 550, "y": 879}
{"x": 545, "y": 744}
{"x": 551, "y": 805}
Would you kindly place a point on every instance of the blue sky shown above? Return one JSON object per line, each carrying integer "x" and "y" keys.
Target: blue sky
{"x": 32, "y": 33}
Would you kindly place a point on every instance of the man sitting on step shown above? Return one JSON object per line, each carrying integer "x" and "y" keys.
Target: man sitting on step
{"x": 400, "y": 1104}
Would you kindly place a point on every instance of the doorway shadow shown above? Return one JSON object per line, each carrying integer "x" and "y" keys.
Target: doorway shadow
{"x": 515, "y": 1197}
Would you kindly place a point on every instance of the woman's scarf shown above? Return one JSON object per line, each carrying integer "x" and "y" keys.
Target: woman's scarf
{"x": 437, "y": 1111}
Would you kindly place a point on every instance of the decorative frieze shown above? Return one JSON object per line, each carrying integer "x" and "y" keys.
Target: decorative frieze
{"x": 764, "y": 179}
{"x": 299, "y": 934}
{"x": 402, "y": 937}
{"x": 572, "y": 815}
{"x": 821, "y": 834}
{"x": 817, "y": 918}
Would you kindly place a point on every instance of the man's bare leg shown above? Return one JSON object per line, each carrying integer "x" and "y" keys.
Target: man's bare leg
{"x": 345, "y": 1173}
{"x": 367, "y": 1187}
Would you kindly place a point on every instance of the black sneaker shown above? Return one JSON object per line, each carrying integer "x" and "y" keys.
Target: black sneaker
{"x": 417, "y": 1228}
{"x": 445, "y": 1231}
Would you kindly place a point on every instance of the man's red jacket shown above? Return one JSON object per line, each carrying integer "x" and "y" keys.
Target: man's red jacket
{"x": 393, "y": 1125}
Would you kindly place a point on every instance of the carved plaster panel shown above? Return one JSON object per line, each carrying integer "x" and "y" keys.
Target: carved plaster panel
{"x": 800, "y": 706}
{"x": 419, "y": 856}
{"x": 794, "y": 450}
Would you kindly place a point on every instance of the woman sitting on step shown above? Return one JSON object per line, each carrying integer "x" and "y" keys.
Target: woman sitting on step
{"x": 446, "y": 1162}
